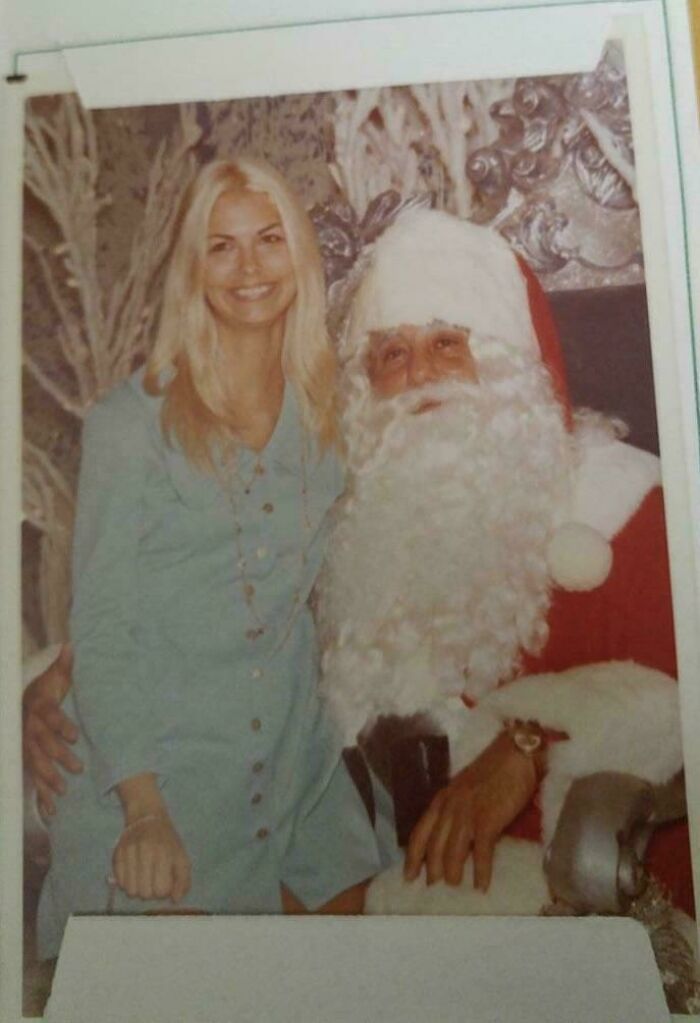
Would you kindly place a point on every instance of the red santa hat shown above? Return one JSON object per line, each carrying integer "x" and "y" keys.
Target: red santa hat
{"x": 429, "y": 265}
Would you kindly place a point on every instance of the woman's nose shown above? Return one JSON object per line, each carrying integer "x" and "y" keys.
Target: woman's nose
{"x": 250, "y": 264}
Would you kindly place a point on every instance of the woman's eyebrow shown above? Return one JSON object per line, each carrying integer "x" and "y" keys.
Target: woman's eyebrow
{"x": 260, "y": 230}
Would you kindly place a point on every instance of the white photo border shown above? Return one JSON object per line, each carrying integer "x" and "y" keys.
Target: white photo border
{"x": 651, "y": 31}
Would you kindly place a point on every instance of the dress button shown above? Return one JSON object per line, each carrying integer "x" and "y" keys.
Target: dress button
{"x": 268, "y": 507}
{"x": 249, "y": 590}
{"x": 258, "y": 766}
{"x": 261, "y": 553}
{"x": 256, "y": 798}
{"x": 256, "y": 724}
{"x": 262, "y": 833}
{"x": 256, "y": 673}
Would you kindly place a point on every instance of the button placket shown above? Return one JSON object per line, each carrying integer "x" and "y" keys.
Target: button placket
{"x": 259, "y": 825}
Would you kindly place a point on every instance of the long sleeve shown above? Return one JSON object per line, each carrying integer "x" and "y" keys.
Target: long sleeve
{"x": 630, "y": 616}
{"x": 114, "y": 701}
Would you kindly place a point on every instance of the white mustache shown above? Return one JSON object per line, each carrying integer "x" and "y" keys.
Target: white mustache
{"x": 443, "y": 393}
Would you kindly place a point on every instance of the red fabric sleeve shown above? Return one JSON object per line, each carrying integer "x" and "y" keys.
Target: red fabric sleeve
{"x": 548, "y": 337}
{"x": 629, "y": 617}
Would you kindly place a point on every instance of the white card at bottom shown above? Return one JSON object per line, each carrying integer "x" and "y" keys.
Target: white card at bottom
{"x": 352, "y": 969}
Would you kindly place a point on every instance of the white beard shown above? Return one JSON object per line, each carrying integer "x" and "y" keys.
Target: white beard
{"x": 436, "y": 577}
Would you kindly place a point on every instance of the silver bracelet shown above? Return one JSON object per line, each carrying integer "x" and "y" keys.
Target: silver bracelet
{"x": 147, "y": 817}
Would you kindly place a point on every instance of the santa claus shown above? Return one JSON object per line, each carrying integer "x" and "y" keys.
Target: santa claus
{"x": 497, "y": 572}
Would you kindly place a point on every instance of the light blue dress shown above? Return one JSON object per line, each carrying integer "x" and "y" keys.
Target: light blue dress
{"x": 171, "y": 675}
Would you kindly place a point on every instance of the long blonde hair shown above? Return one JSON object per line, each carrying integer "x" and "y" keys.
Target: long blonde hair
{"x": 183, "y": 363}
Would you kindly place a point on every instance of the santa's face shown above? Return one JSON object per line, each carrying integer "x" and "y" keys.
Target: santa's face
{"x": 408, "y": 357}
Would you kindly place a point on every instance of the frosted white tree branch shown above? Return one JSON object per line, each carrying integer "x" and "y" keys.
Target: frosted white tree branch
{"x": 101, "y": 327}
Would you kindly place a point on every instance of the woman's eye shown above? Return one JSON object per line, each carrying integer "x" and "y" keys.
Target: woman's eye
{"x": 273, "y": 238}
{"x": 224, "y": 245}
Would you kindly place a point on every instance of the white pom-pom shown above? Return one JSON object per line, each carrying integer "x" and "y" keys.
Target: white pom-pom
{"x": 579, "y": 557}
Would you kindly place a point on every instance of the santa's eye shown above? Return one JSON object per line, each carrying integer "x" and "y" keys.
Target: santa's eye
{"x": 448, "y": 342}
{"x": 393, "y": 355}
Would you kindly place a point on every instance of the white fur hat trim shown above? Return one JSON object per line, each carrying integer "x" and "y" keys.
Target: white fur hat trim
{"x": 432, "y": 266}
{"x": 579, "y": 557}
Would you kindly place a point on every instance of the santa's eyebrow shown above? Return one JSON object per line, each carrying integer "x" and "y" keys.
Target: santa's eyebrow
{"x": 444, "y": 325}
{"x": 377, "y": 338}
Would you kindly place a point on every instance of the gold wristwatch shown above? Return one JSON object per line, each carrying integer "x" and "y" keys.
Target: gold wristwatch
{"x": 530, "y": 739}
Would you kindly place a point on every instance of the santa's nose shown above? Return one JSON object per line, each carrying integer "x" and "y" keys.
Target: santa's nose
{"x": 420, "y": 368}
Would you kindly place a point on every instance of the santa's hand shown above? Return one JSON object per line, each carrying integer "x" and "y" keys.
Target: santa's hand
{"x": 150, "y": 861}
{"x": 46, "y": 730}
{"x": 470, "y": 814}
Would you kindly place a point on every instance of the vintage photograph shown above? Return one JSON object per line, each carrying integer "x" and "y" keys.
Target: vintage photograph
{"x": 345, "y": 572}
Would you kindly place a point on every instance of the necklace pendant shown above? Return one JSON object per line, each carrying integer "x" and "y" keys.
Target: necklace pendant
{"x": 259, "y": 469}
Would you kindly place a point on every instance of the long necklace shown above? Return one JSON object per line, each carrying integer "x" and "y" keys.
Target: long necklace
{"x": 235, "y": 487}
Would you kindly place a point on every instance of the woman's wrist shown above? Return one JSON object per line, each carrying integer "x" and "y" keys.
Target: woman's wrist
{"x": 141, "y": 798}
{"x": 146, "y": 819}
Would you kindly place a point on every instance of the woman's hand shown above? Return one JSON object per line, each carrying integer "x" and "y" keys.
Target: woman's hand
{"x": 150, "y": 861}
{"x": 46, "y": 730}
{"x": 471, "y": 813}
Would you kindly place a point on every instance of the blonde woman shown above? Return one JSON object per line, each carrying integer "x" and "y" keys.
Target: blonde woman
{"x": 211, "y": 781}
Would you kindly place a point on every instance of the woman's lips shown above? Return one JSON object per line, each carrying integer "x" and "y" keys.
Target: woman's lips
{"x": 254, "y": 293}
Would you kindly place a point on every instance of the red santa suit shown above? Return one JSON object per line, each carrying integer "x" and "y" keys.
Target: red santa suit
{"x": 628, "y": 616}
{"x": 604, "y": 680}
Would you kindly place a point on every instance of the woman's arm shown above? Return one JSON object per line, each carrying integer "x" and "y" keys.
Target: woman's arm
{"x": 114, "y": 688}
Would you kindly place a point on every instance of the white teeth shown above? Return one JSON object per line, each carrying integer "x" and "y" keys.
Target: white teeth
{"x": 252, "y": 293}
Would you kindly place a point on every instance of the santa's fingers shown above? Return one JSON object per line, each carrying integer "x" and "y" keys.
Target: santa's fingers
{"x": 44, "y": 770}
{"x": 484, "y": 845}
{"x": 44, "y": 799}
{"x": 435, "y": 852}
{"x": 420, "y": 836}
{"x": 457, "y": 849}
{"x": 58, "y": 721}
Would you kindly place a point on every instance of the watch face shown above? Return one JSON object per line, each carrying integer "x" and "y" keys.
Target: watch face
{"x": 527, "y": 740}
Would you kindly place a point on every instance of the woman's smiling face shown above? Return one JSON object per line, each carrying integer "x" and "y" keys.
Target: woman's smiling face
{"x": 249, "y": 278}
